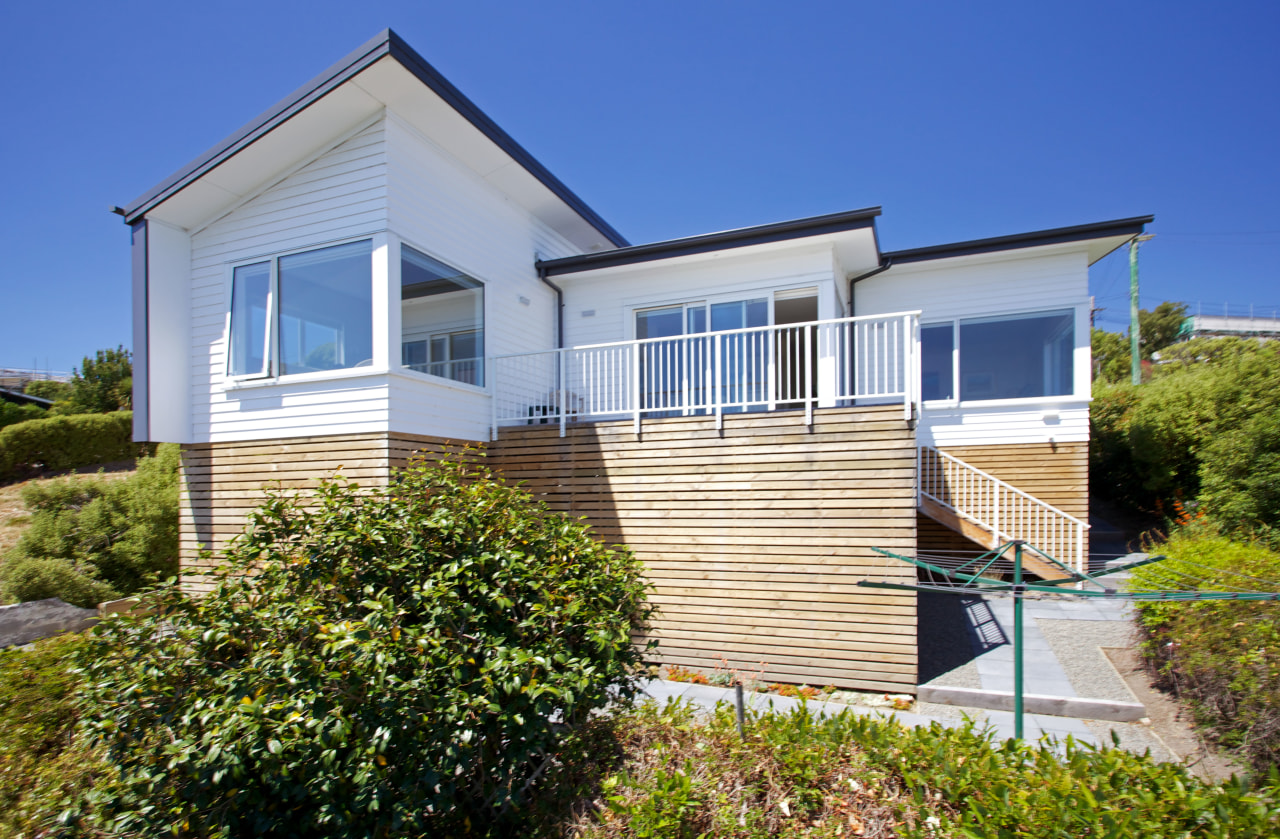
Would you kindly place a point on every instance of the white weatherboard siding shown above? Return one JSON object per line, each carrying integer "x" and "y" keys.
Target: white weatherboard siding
{"x": 338, "y": 196}
{"x": 612, "y": 295}
{"x": 444, "y": 209}
{"x": 991, "y": 284}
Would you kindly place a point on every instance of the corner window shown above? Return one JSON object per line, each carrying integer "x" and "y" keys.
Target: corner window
{"x": 1004, "y": 357}
{"x": 441, "y": 319}
{"x": 302, "y": 313}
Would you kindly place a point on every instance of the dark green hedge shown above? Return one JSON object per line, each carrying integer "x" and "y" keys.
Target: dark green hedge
{"x": 66, "y": 442}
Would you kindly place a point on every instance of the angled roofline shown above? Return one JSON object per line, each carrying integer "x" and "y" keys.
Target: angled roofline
{"x": 386, "y": 43}
{"x": 1055, "y": 236}
{"x": 706, "y": 243}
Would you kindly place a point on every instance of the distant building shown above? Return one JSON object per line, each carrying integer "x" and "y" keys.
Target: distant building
{"x": 1221, "y": 326}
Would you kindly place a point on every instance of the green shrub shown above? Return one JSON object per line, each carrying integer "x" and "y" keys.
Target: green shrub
{"x": 56, "y": 443}
{"x": 1222, "y": 657}
{"x": 43, "y": 760}
{"x": 367, "y": 664}
{"x": 1240, "y": 476}
{"x": 679, "y": 775}
{"x": 100, "y": 385}
{"x": 96, "y": 539}
{"x": 47, "y": 389}
{"x": 11, "y": 414}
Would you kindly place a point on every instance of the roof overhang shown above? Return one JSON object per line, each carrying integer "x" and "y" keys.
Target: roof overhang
{"x": 384, "y": 73}
{"x": 1100, "y": 238}
{"x": 852, "y": 234}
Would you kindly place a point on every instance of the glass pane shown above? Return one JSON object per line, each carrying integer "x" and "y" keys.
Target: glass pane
{"x": 660, "y": 323}
{"x": 326, "y": 309}
{"x": 937, "y": 344}
{"x": 443, "y": 308}
{"x": 413, "y": 352}
{"x": 1017, "y": 357}
{"x": 250, "y": 288}
{"x": 697, "y": 319}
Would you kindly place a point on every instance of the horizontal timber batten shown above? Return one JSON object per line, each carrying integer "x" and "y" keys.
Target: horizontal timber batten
{"x": 754, "y": 534}
{"x": 223, "y": 483}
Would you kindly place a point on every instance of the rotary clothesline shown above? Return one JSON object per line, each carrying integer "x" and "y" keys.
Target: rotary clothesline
{"x": 973, "y": 576}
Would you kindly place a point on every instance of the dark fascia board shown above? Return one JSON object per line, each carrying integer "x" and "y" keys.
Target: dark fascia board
{"x": 1059, "y": 235}
{"x": 386, "y": 43}
{"x": 18, "y": 398}
{"x": 742, "y": 237}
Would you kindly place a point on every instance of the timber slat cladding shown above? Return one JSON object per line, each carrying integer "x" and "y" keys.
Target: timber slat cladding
{"x": 1055, "y": 473}
{"x": 754, "y": 535}
{"x": 222, "y": 483}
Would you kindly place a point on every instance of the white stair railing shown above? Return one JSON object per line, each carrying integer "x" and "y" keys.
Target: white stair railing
{"x": 788, "y": 366}
{"x": 1005, "y": 511}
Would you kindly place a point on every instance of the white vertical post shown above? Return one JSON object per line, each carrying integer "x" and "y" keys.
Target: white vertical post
{"x": 635, "y": 383}
{"x": 717, "y": 359}
{"x": 491, "y": 381}
{"x": 564, "y": 406}
{"x": 907, "y": 369}
{"x": 806, "y": 348}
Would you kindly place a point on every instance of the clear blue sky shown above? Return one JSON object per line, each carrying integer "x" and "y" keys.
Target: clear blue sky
{"x": 963, "y": 120}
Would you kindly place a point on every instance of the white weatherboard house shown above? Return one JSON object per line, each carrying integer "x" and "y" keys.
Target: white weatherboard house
{"x": 373, "y": 268}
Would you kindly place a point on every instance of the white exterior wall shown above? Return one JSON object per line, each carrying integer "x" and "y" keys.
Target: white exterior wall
{"x": 389, "y": 183}
{"x": 444, "y": 209}
{"x": 990, "y": 284}
{"x": 614, "y": 294}
{"x": 340, "y": 195}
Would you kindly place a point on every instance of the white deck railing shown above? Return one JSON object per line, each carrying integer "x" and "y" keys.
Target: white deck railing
{"x": 792, "y": 366}
{"x": 1007, "y": 512}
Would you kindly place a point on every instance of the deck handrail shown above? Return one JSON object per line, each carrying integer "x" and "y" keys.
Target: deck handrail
{"x": 805, "y": 365}
{"x": 976, "y": 495}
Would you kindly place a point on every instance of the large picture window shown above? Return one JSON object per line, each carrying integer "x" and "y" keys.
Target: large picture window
{"x": 441, "y": 319}
{"x": 302, "y": 313}
{"x": 1023, "y": 356}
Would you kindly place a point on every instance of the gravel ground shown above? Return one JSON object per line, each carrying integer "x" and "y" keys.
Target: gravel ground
{"x": 1076, "y": 646}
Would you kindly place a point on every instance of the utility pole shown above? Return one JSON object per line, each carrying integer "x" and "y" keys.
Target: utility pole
{"x": 1135, "y": 363}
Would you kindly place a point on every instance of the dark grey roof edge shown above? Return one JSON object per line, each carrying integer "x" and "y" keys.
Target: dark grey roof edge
{"x": 706, "y": 243}
{"x": 1058, "y": 235}
{"x": 385, "y": 43}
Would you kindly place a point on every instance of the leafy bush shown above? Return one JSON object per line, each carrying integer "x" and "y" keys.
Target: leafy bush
{"x": 102, "y": 384}
{"x": 1211, "y": 405}
{"x": 367, "y": 664}
{"x": 853, "y": 775}
{"x": 1240, "y": 475}
{"x": 47, "y": 389}
{"x": 97, "y": 539}
{"x": 56, "y": 443}
{"x": 42, "y": 758}
{"x": 1222, "y": 657}
{"x": 11, "y": 413}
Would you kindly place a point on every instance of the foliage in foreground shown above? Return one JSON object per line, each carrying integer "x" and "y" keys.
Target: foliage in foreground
{"x": 1221, "y": 657}
{"x": 93, "y": 539}
{"x": 42, "y": 757}
{"x": 100, "y": 385}
{"x": 56, "y": 443}
{"x": 677, "y": 775}
{"x": 390, "y": 664}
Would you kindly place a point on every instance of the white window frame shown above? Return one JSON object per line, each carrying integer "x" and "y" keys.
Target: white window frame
{"x": 271, "y": 373}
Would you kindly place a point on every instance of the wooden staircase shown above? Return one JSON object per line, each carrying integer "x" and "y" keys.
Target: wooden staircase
{"x": 991, "y": 512}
